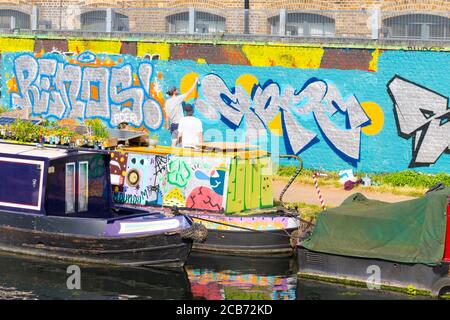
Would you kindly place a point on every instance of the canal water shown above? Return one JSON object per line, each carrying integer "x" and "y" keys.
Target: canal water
{"x": 204, "y": 277}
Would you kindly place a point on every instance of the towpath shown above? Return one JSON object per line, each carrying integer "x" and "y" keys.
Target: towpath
{"x": 333, "y": 196}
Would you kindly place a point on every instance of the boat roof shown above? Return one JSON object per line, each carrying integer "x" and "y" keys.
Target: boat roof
{"x": 213, "y": 151}
{"x": 32, "y": 150}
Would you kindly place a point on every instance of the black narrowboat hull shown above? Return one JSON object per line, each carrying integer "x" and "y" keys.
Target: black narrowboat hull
{"x": 404, "y": 277}
{"x": 247, "y": 243}
{"x": 85, "y": 240}
{"x": 168, "y": 250}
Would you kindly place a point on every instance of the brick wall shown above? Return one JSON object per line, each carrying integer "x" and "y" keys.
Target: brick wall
{"x": 67, "y": 12}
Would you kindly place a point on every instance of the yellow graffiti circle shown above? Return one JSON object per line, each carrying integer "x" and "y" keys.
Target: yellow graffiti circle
{"x": 376, "y": 116}
{"x": 247, "y": 81}
{"x": 186, "y": 84}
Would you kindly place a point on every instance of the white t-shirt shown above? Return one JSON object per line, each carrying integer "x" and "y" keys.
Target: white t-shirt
{"x": 174, "y": 108}
{"x": 189, "y": 128}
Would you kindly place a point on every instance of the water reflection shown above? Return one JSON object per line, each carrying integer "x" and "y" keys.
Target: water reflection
{"x": 316, "y": 290}
{"x": 226, "y": 277}
{"x": 32, "y": 278}
{"x": 204, "y": 277}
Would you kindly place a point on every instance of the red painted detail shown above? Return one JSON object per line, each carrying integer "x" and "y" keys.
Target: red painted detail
{"x": 447, "y": 234}
{"x": 204, "y": 198}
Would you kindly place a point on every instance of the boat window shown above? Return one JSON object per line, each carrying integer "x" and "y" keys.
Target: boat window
{"x": 70, "y": 187}
{"x": 83, "y": 185}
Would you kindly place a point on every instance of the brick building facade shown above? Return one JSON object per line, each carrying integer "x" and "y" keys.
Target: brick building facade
{"x": 315, "y": 18}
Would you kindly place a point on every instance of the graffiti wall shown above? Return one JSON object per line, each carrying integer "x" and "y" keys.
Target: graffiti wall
{"x": 373, "y": 110}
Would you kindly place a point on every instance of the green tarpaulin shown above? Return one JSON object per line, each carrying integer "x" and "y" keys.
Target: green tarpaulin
{"x": 411, "y": 231}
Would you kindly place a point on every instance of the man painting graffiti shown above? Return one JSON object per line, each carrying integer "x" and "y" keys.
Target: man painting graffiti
{"x": 174, "y": 110}
{"x": 190, "y": 129}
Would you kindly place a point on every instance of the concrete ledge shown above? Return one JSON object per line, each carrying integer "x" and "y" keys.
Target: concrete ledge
{"x": 337, "y": 42}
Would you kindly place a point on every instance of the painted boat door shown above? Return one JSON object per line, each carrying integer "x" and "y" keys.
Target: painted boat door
{"x": 79, "y": 186}
{"x": 22, "y": 183}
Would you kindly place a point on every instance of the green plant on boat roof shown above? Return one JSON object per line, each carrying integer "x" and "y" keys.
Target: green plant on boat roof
{"x": 24, "y": 131}
{"x": 96, "y": 128}
{"x": 47, "y": 123}
{"x": 3, "y": 109}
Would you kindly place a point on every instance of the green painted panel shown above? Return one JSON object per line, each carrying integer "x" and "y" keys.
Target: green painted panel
{"x": 252, "y": 185}
{"x": 266, "y": 182}
{"x": 249, "y": 185}
{"x": 236, "y": 183}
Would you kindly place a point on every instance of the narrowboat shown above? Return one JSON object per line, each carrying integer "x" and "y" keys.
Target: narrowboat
{"x": 402, "y": 246}
{"x": 57, "y": 203}
{"x": 227, "y": 191}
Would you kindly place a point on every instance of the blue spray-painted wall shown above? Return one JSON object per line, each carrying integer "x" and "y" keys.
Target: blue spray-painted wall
{"x": 389, "y": 119}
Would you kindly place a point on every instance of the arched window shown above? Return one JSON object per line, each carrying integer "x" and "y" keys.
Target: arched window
{"x": 120, "y": 22}
{"x": 96, "y": 21}
{"x": 205, "y": 22}
{"x": 209, "y": 23}
{"x": 178, "y": 23}
{"x": 15, "y": 19}
{"x": 304, "y": 24}
{"x": 417, "y": 26}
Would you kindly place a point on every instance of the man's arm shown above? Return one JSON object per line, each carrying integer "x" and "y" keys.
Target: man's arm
{"x": 184, "y": 95}
{"x": 200, "y": 133}
{"x": 200, "y": 137}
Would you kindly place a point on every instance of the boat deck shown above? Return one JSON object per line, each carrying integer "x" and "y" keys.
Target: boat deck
{"x": 27, "y": 150}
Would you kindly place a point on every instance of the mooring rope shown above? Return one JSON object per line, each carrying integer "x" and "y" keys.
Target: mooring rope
{"x": 291, "y": 180}
{"x": 240, "y": 227}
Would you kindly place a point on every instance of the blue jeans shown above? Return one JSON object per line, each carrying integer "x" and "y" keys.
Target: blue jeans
{"x": 174, "y": 130}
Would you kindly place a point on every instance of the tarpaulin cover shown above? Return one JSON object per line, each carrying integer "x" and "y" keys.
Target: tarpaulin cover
{"x": 410, "y": 231}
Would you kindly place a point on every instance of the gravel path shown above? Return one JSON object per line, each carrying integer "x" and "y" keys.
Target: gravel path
{"x": 333, "y": 196}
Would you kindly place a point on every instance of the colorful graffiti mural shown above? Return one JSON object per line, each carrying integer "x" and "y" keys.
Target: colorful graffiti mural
{"x": 137, "y": 178}
{"x": 187, "y": 182}
{"x": 85, "y": 86}
{"x": 256, "y": 223}
{"x": 198, "y": 183}
{"x": 335, "y": 107}
{"x": 213, "y": 183}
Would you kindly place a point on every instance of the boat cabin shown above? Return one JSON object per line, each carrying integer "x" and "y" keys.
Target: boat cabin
{"x": 220, "y": 178}
{"x": 54, "y": 182}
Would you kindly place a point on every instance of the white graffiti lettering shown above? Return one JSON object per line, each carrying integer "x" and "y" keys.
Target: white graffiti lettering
{"x": 424, "y": 115}
{"x": 51, "y": 86}
{"x": 317, "y": 97}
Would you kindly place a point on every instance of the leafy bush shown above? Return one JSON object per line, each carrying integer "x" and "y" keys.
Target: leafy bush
{"x": 97, "y": 128}
{"x": 407, "y": 178}
{"x": 412, "y": 179}
{"x": 24, "y": 130}
{"x": 288, "y": 171}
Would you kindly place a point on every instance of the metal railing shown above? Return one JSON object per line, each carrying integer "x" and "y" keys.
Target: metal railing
{"x": 361, "y": 24}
